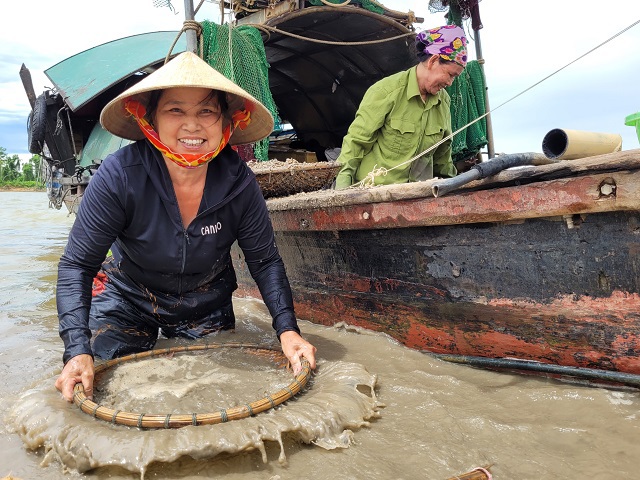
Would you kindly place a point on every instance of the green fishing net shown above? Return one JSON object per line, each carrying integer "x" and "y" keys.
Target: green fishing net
{"x": 468, "y": 92}
{"x": 241, "y": 59}
{"x": 468, "y": 103}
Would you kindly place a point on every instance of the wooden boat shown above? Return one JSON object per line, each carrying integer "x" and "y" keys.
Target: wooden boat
{"x": 534, "y": 268}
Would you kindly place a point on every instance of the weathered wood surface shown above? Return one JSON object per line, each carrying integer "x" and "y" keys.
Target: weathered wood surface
{"x": 27, "y": 83}
{"x": 563, "y": 197}
{"x": 612, "y": 162}
{"x": 477, "y": 474}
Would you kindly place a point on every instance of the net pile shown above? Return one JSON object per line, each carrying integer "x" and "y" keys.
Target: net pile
{"x": 238, "y": 53}
{"x": 468, "y": 103}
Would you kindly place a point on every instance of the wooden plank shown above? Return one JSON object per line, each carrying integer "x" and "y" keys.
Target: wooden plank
{"x": 605, "y": 192}
{"x": 480, "y": 473}
{"x": 25, "y": 76}
{"x": 626, "y": 160}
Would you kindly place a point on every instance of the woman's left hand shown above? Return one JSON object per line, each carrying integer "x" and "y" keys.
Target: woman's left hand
{"x": 294, "y": 347}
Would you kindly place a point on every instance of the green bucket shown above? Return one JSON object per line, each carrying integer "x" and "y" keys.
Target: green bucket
{"x": 634, "y": 120}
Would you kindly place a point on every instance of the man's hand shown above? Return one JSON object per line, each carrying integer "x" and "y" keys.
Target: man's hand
{"x": 294, "y": 347}
{"x": 77, "y": 370}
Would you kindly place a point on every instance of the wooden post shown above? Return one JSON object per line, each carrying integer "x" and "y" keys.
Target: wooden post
{"x": 25, "y": 76}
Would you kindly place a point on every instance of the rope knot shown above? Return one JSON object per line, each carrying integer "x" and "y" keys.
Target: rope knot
{"x": 188, "y": 25}
{"x": 192, "y": 25}
{"x": 369, "y": 180}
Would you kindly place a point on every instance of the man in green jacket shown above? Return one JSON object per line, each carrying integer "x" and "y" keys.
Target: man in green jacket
{"x": 403, "y": 115}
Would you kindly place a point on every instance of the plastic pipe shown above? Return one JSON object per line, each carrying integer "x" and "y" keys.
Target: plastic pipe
{"x": 563, "y": 144}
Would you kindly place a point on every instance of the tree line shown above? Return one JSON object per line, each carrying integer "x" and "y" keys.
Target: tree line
{"x": 16, "y": 174}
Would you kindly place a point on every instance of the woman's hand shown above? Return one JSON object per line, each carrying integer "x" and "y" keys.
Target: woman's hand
{"x": 294, "y": 347}
{"x": 77, "y": 370}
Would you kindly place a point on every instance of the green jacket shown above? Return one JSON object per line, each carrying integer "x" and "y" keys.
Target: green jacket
{"x": 392, "y": 125}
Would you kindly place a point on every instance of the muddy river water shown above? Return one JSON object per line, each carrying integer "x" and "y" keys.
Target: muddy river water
{"x": 372, "y": 410}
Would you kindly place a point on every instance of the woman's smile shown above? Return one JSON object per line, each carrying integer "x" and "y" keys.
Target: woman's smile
{"x": 189, "y": 120}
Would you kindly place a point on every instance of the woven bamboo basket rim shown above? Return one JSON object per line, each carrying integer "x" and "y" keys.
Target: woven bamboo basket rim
{"x": 178, "y": 420}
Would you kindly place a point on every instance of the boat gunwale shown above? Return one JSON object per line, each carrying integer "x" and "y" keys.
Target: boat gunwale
{"x": 522, "y": 177}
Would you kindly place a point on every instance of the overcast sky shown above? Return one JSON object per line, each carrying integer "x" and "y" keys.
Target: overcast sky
{"x": 522, "y": 43}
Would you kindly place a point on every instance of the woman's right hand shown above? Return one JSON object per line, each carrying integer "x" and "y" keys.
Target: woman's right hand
{"x": 77, "y": 370}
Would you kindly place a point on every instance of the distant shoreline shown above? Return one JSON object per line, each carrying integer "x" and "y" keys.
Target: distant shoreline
{"x": 21, "y": 189}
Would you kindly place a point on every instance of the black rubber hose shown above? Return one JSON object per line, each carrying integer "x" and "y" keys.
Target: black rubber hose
{"x": 489, "y": 168}
{"x": 628, "y": 379}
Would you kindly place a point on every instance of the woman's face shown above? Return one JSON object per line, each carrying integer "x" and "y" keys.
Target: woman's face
{"x": 434, "y": 75}
{"x": 189, "y": 120}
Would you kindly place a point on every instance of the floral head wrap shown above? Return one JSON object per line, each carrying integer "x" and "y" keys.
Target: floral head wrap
{"x": 448, "y": 41}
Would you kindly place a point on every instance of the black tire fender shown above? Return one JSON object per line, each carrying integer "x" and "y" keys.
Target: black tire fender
{"x": 37, "y": 125}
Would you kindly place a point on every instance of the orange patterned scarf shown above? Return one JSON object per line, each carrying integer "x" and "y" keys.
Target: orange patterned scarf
{"x": 241, "y": 118}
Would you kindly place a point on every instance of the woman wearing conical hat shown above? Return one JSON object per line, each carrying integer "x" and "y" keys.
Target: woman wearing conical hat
{"x": 169, "y": 207}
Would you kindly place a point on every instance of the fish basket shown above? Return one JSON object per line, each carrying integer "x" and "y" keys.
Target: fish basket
{"x": 280, "y": 179}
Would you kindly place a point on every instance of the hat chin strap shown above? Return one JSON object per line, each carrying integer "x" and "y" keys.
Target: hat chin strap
{"x": 240, "y": 118}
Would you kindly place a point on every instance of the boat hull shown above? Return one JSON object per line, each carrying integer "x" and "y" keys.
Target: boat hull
{"x": 558, "y": 289}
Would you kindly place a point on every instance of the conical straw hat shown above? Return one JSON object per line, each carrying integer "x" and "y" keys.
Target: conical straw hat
{"x": 187, "y": 70}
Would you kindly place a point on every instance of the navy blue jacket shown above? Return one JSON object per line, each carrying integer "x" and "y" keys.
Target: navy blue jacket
{"x": 130, "y": 207}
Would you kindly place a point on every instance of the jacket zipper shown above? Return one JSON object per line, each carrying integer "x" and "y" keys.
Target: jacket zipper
{"x": 185, "y": 244}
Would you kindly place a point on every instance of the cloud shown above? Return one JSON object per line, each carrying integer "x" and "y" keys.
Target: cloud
{"x": 521, "y": 44}
{"x": 53, "y": 33}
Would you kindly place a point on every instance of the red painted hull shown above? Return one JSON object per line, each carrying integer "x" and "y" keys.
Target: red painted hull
{"x": 605, "y": 336}
{"x": 547, "y": 272}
